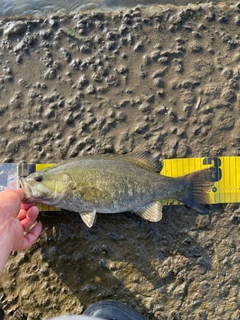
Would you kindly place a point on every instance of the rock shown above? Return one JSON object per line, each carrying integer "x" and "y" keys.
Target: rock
{"x": 16, "y": 28}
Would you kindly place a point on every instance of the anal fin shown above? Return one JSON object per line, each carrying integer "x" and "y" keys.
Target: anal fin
{"x": 151, "y": 212}
{"x": 88, "y": 218}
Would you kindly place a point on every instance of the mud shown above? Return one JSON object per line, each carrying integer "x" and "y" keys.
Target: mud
{"x": 164, "y": 79}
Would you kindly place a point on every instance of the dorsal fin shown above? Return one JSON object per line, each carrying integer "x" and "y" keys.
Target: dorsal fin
{"x": 145, "y": 160}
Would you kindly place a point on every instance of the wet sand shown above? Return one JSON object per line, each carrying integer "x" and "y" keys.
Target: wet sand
{"x": 164, "y": 79}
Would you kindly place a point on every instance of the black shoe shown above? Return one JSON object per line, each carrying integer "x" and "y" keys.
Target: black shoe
{"x": 112, "y": 310}
{"x": 1, "y": 313}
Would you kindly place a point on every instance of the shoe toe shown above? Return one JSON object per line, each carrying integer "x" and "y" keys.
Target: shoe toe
{"x": 113, "y": 310}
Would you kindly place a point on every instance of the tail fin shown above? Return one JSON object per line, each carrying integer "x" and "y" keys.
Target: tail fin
{"x": 197, "y": 186}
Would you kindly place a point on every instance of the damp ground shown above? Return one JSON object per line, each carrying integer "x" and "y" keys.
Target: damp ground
{"x": 164, "y": 79}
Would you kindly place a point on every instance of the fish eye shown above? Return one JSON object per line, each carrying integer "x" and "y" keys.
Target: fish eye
{"x": 39, "y": 178}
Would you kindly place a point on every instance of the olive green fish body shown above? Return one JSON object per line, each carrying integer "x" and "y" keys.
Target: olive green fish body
{"x": 112, "y": 184}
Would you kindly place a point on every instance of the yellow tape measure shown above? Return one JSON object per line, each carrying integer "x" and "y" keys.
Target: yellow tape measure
{"x": 226, "y": 181}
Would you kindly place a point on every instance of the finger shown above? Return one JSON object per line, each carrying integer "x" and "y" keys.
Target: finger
{"x": 21, "y": 193}
{"x": 27, "y": 206}
{"x": 32, "y": 213}
{"x": 21, "y": 215}
{"x": 32, "y": 236}
{"x": 29, "y": 218}
{"x": 10, "y": 201}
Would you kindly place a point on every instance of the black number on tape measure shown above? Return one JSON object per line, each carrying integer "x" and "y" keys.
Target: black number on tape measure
{"x": 217, "y": 175}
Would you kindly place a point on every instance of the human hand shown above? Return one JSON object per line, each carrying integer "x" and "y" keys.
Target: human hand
{"x": 18, "y": 217}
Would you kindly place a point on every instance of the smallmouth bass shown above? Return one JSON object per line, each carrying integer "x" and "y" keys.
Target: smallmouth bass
{"x": 116, "y": 183}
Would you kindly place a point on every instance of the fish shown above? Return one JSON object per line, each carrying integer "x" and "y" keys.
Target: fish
{"x": 115, "y": 184}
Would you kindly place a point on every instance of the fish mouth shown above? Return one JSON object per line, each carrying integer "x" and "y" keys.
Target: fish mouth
{"x": 29, "y": 197}
{"x": 33, "y": 195}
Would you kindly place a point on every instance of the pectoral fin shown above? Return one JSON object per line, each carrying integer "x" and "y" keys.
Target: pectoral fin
{"x": 88, "y": 217}
{"x": 151, "y": 212}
